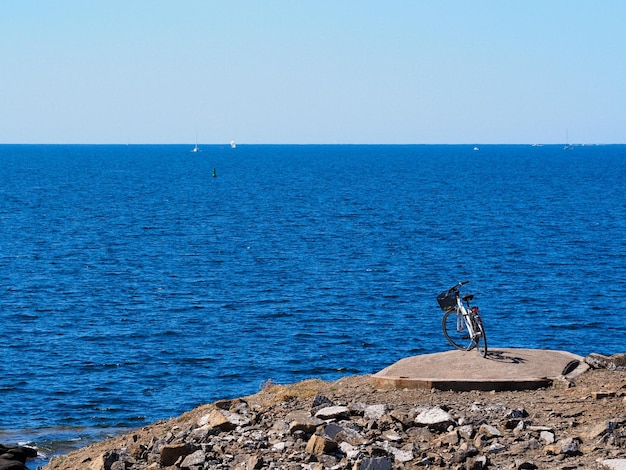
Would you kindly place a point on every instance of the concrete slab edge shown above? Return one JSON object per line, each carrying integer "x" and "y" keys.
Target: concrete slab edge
{"x": 461, "y": 385}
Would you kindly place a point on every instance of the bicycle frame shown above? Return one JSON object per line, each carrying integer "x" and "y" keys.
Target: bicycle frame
{"x": 465, "y": 316}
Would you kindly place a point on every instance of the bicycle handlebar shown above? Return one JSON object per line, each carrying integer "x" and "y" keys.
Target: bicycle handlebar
{"x": 456, "y": 287}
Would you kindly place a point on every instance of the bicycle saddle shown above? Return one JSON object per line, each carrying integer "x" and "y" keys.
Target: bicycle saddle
{"x": 468, "y": 297}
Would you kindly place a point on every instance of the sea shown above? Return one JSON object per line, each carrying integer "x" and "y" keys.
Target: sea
{"x": 140, "y": 281}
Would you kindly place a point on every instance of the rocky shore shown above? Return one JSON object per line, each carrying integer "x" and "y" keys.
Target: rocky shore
{"x": 349, "y": 424}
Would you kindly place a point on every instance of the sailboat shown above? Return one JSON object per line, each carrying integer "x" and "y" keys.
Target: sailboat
{"x": 233, "y": 145}
{"x": 195, "y": 149}
{"x": 567, "y": 145}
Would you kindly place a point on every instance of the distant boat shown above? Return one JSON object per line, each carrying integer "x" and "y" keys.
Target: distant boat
{"x": 476, "y": 148}
{"x": 195, "y": 149}
{"x": 233, "y": 144}
{"x": 567, "y": 145}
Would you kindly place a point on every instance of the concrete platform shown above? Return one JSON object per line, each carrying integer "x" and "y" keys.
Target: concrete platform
{"x": 502, "y": 369}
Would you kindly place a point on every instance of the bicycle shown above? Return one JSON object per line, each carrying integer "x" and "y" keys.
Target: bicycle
{"x": 462, "y": 327}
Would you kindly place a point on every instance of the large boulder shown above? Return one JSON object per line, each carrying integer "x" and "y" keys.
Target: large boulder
{"x": 14, "y": 458}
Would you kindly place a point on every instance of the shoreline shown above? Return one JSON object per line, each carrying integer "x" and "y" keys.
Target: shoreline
{"x": 349, "y": 423}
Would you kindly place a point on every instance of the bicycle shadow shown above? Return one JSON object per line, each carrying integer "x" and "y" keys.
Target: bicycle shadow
{"x": 505, "y": 357}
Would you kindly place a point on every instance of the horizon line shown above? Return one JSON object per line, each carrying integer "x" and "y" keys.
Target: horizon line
{"x": 227, "y": 144}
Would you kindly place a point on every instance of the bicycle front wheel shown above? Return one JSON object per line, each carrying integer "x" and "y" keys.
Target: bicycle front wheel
{"x": 455, "y": 330}
{"x": 481, "y": 337}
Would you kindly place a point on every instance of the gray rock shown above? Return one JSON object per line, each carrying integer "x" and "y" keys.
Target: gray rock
{"x": 547, "y": 437}
{"x": 7, "y": 464}
{"x": 517, "y": 413}
{"x": 496, "y": 448}
{"x": 479, "y": 463}
{"x": 489, "y": 431}
{"x": 14, "y": 458}
{"x": 614, "y": 362}
{"x": 223, "y": 420}
{"x": 195, "y": 459}
{"x": 614, "y": 464}
{"x": 333, "y": 412}
{"x": 435, "y": 418}
{"x": 401, "y": 455}
{"x": 570, "y": 446}
{"x": 307, "y": 425}
{"x": 350, "y": 451}
{"x": 349, "y": 435}
{"x": 374, "y": 411}
{"x": 320, "y": 401}
{"x": 466, "y": 431}
{"x": 374, "y": 463}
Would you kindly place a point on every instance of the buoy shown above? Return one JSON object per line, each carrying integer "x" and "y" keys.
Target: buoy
{"x": 214, "y": 173}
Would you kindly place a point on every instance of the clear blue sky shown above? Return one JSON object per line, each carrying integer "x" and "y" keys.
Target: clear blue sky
{"x": 319, "y": 71}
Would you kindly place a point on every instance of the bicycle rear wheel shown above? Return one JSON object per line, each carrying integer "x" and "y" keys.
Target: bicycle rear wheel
{"x": 481, "y": 336}
{"x": 456, "y": 332}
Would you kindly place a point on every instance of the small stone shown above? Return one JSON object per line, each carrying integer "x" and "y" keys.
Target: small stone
{"x": 403, "y": 417}
{"x": 534, "y": 444}
{"x": 480, "y": 440}
{"x": 171, "y": 452}
{"x": 525, "y": 465}
{"x": 466, "y": 431}
{"x": 547, "y": 437}
{"x": 539, "y": 428}
{"x": 517, "y": 413}
{"x": 255, "y": 462}
{"x": 401, "y": 455}
{"x": 496, "y": 448}
{"x": 451, "y": 438}
{"x": 332, "y": 430}
{"x": 307, "y": 425}
{"x": 374, "y": 463}
{"x": 333, "y": 412}
{"x": 349, "y": 450}
{"x": 374, "y": 411}
{"x": 320, "y": 444}
{"x": 321, "y": 401}
{"x": 465, "y": 451}
{"x": 519, "y": 428}
{"x": 489, "y": 431}
{"x": 197, "y": 458}
{"x": 222, "y": 420}
{"x": 435, "y": 418}
{"x": 349, "y": 435}
{"x": 392, "y": 436}
{"x": 279, "y": 446}
{"x": 569, "y": 446}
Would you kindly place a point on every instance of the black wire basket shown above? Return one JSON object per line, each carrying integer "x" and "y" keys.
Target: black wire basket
{"x": 447, "y": 300}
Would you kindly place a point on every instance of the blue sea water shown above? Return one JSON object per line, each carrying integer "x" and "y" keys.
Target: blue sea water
{"x": 135, "y": 285}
